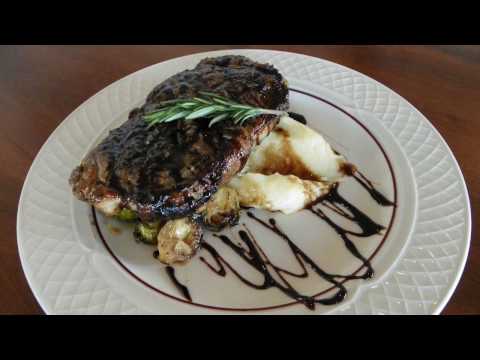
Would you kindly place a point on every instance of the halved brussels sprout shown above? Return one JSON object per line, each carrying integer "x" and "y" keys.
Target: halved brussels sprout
{"x": 147, "y": 232}
{"x": 126, "y": 215}
{"x": 221, "y": 210}
{"x": 178, "y": 240}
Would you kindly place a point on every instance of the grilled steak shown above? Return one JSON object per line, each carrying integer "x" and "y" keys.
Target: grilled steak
{"x": 171, "y": 169}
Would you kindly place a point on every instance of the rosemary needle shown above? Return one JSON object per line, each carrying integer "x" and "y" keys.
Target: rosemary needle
{"x": 207, "y": 106}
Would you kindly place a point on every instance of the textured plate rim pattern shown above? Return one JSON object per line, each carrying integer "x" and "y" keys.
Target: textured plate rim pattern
{"x": 421, "y": 281}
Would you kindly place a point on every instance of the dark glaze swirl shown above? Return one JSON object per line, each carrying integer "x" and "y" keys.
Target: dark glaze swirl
{"x": 250, "y": 251}
{"x": 182, "y": 288}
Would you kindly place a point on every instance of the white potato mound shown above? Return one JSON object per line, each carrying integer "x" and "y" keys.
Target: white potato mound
{"x": 290, "y": 169}
{"x": 295, "y": 148}
{"x": 285, "y": 193}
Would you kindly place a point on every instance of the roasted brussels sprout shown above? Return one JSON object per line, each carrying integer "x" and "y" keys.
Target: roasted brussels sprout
{"x": 147, "y": 232}
{"x": 126, "y": 215}
{"x": 178, "y": 240}
{"x": 221, "y": 210}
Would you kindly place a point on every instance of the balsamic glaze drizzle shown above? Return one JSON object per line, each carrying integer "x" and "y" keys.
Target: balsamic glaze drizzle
{"x": 250, "y": 251}
{"x": 257, "y": 259}
{"x": 183, "y": 289}
{"x": 337, "y": 203}
{"x": 298, "y": 117}
{"x": 374, "y": 193}
{"x": 216, "y": 256}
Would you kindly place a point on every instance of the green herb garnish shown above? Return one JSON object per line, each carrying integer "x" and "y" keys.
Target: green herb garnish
{"x": 207, "y": 106}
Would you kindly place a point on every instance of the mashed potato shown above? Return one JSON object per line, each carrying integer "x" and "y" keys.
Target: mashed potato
{"x": 291, "y": 168}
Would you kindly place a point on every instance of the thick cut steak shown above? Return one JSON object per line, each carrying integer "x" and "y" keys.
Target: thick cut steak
{"x": 169, "y": 170}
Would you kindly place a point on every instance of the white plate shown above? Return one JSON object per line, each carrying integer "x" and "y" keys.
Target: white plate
{"x": 418, "y": 261}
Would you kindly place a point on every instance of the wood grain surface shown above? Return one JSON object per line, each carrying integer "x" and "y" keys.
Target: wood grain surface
{"x": 41, "y": 85}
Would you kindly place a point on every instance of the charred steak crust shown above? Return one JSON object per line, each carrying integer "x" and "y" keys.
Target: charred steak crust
{"x": 171, "y": 169}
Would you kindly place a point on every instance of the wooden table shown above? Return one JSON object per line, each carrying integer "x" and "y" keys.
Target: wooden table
{"x": 41, "y": 85}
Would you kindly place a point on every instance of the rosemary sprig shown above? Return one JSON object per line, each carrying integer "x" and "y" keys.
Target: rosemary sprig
{"x": 208, "y": 106}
